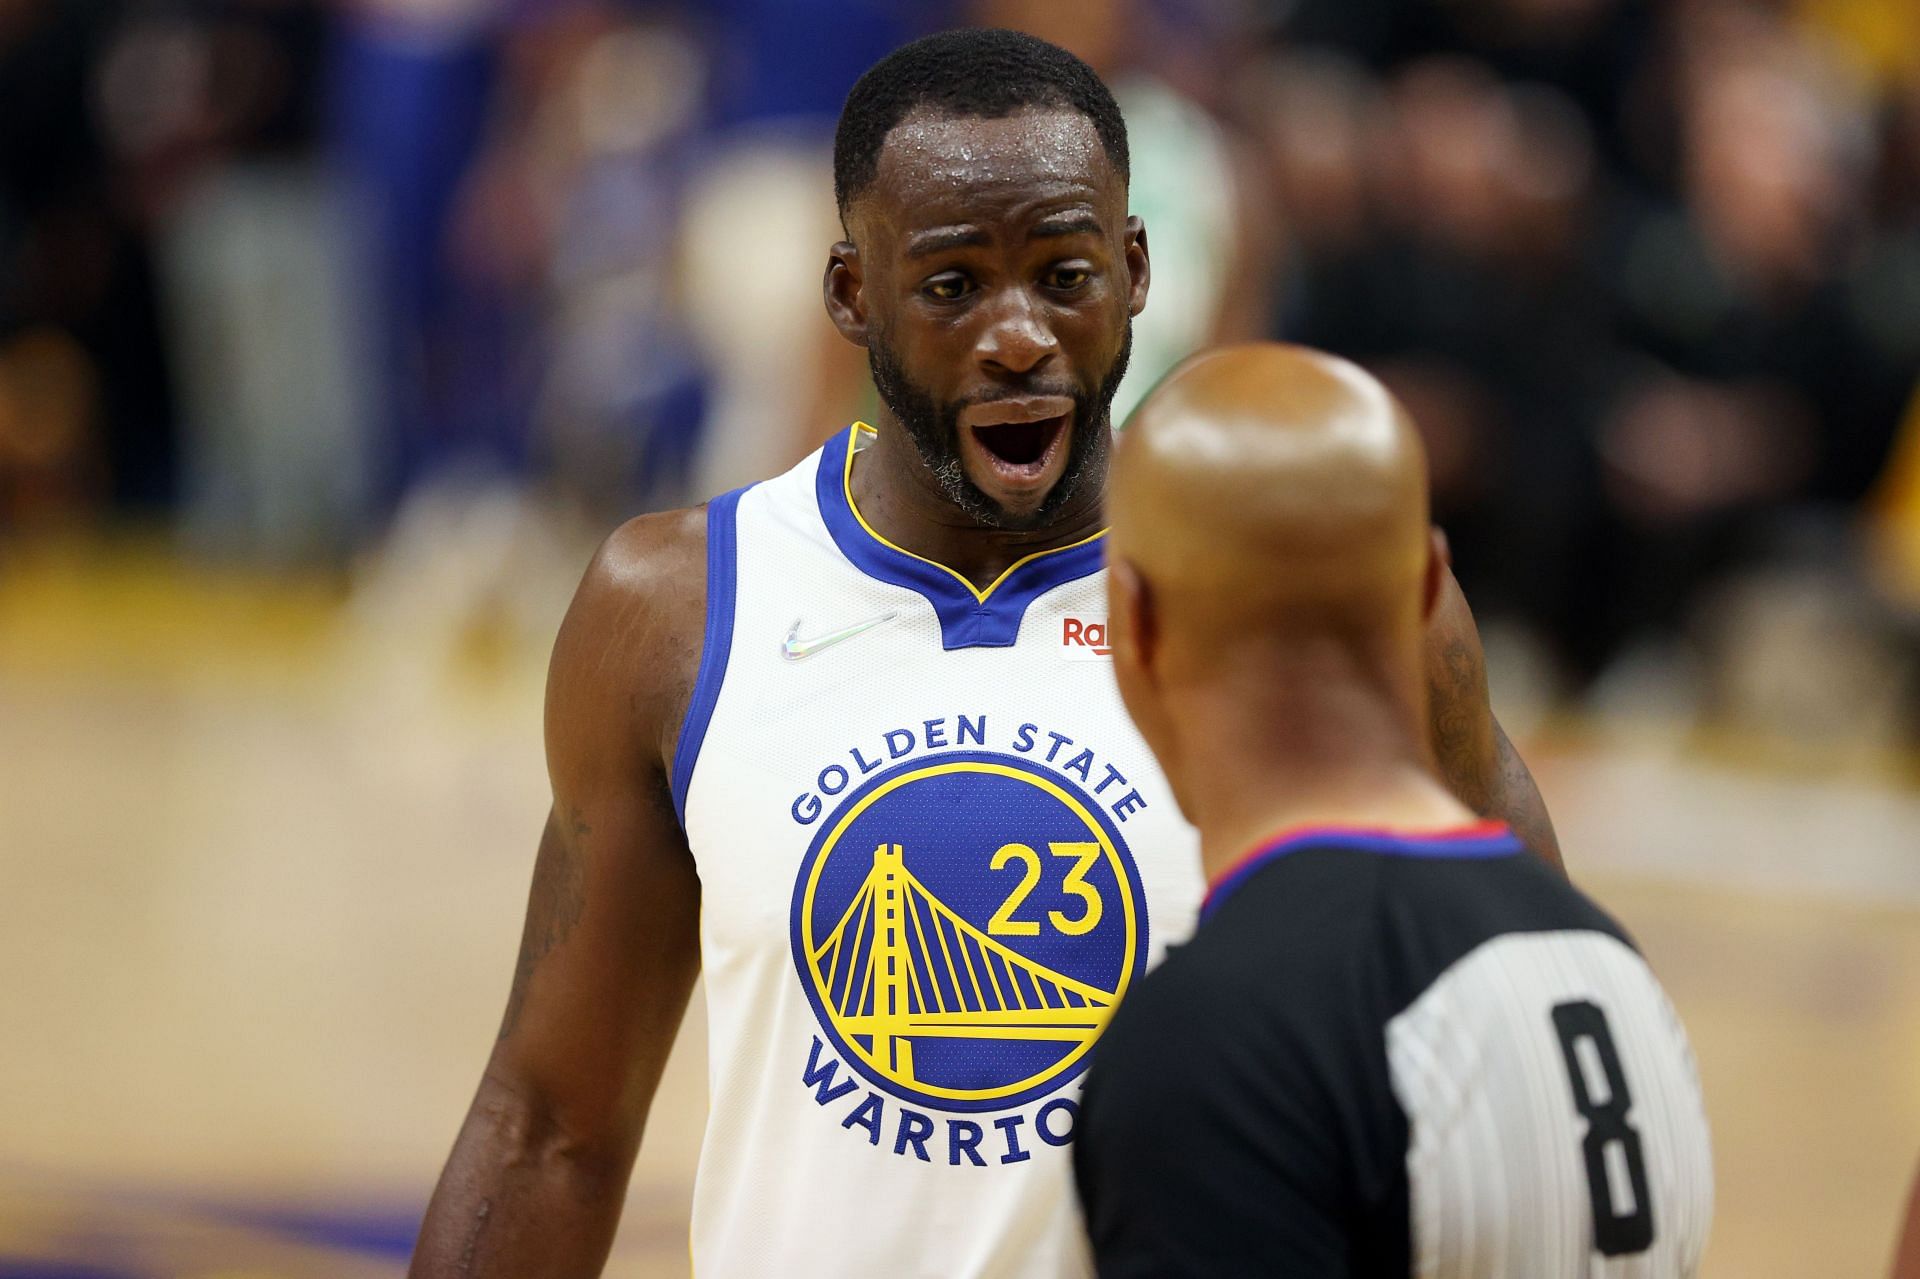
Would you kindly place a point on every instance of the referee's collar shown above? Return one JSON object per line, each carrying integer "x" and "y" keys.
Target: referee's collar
{"x": 1478, "y": 839}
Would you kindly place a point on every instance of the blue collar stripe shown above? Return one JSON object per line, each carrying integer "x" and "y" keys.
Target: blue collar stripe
{"x": 966, "y": 620}
{"x": 1476, "y": 847}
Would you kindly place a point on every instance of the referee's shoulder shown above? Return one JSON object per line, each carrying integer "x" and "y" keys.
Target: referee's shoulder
{"x": 1299, "y": 919}
{"x": 1291, "y": 937}
{"x": 1172, "y": 996}
{"x": 1471, "y": 901}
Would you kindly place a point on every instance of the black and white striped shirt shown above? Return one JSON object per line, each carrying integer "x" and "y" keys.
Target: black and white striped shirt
{"x": 1394, "y": 1055}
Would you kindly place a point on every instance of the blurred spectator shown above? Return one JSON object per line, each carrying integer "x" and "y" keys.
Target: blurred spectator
{"x": 1645, "y": 274}
{"x": 86, "y": 410}
{"x": 566, "y": 226}
{"x": 760, "y": 218}
{"x": 1442, "y": 236}
{"x": 1879, "y": 38}
{"x": 211, "y": 112}
{"x": 1772, "y": 386}
{"x": 409, "y": 88}
{"x": 492, "y": 273}
{"x": 621, "y": 405}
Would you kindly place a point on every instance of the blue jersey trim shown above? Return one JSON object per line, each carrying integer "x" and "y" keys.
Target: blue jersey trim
{"x": 723, "y": 540}
{"x": 969, "y": 618}
{"x": 1485, "y": 840}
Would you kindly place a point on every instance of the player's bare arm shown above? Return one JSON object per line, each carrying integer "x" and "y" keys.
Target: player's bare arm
{"x": 610, "y": 948}
{"x": 1906, "y": 1253}
{"x": 1477, "y": 760}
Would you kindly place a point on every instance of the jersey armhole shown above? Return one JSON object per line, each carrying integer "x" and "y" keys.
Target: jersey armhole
{"x": 716, "y": 642}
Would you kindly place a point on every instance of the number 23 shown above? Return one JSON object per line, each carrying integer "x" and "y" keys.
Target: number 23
{"x": 1003, "y": 924}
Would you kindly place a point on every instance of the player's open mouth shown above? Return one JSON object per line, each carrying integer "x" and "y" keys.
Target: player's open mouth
{"x": 1021, "y": 445}
{"x": 1019, "y": 441}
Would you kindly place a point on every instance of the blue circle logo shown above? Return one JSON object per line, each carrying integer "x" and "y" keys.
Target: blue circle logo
{"x": 964, "y": 926}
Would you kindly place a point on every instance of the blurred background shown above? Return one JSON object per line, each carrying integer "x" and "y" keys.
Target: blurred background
{"x": 334, "y": 337}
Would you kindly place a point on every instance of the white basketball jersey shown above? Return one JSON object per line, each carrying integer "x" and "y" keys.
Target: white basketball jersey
{"x": 933, "y": 854}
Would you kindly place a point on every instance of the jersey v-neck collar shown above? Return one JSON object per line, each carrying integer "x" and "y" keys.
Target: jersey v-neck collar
{"x": 1475, "y": 840}
{"x": 969, "y": 617}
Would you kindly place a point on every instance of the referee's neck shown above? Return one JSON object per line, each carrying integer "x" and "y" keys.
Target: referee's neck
{"x": 1258, "y": 760}
{"x": 1405, "y": 799}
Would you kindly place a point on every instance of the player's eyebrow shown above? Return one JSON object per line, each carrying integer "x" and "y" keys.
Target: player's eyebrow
{"x": 1065, "y": 224}
{"x": 924, "y": 244}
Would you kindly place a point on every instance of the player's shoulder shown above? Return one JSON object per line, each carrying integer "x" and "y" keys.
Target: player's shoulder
{"x": 656, "y": 563}
{"x": 661, "y": 552}
{"x": 631, "y": 639}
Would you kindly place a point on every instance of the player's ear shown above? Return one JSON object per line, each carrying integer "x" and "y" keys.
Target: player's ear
{"x": 844, "y": 291}
{"x": 1439, "y": 564}
{"x": 1138, "y": 270}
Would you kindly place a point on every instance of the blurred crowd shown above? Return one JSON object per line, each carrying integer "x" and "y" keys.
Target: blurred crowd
{"x": 299, "y": 280}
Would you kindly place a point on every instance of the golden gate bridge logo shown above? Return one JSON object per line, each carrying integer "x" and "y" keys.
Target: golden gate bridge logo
{"x": 903, "y": 992}
{"x": 997, "y": 988}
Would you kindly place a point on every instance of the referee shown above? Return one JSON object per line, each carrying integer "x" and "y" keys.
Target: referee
{"x": 1397, "y": 1044}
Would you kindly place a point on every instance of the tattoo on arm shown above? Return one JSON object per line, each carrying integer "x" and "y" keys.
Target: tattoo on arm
{"x": 1459, "y": 697}
{"x": 1523, "y": 807}
{"x": 1476, "y": 760}
{"x": 554, "y": 906}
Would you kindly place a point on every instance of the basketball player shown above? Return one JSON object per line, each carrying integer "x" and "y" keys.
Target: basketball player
{"x": 1397, "y": 1044}
{"x": 847, "y": 741}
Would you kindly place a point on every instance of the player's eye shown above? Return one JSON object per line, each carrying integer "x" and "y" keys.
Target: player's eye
{"x": 949, "y": 287}
{"x": 1068, "y": 278}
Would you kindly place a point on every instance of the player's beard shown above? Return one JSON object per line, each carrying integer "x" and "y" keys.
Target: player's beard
{"x": 934, "y": 428}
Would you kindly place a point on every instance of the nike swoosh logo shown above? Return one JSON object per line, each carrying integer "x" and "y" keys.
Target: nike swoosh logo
{"x": 793, "y": 648}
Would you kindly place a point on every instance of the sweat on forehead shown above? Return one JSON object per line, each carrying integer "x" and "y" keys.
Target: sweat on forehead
{"x": 930, "y": 155}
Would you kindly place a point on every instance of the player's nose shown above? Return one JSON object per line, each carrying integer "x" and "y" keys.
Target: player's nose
{"x": 1016, "y": 338}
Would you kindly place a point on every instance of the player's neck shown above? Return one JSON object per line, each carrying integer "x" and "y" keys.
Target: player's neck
{"x": 1306, "y": 753}
{"x": 904, "y": 503}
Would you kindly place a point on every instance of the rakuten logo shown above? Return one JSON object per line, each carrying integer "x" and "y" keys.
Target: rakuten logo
{"x": 1083, "y": 641}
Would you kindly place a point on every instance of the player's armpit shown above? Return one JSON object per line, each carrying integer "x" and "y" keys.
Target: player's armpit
{"x": 1475, "y": 757}
{"x": 609, "y": 950}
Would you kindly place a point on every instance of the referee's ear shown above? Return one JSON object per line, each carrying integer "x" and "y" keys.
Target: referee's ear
{"x": 1133, "y": 633}
{"x": 1133, "y": 626}
{"x": 1439, "y": 564}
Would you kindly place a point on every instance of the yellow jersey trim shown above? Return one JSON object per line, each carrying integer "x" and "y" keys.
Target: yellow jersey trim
{"x": 980, "y": 596}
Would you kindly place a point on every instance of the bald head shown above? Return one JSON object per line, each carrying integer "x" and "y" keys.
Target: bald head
{"x": 1272, "y": 564}
{"x": 1271, "y": 484}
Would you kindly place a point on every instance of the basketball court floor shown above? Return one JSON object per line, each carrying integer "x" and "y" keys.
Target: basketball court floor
{"x": 262, "y": 862}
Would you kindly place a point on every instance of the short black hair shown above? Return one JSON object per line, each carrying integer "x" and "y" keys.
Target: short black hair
{"x": 983, "y": 72}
